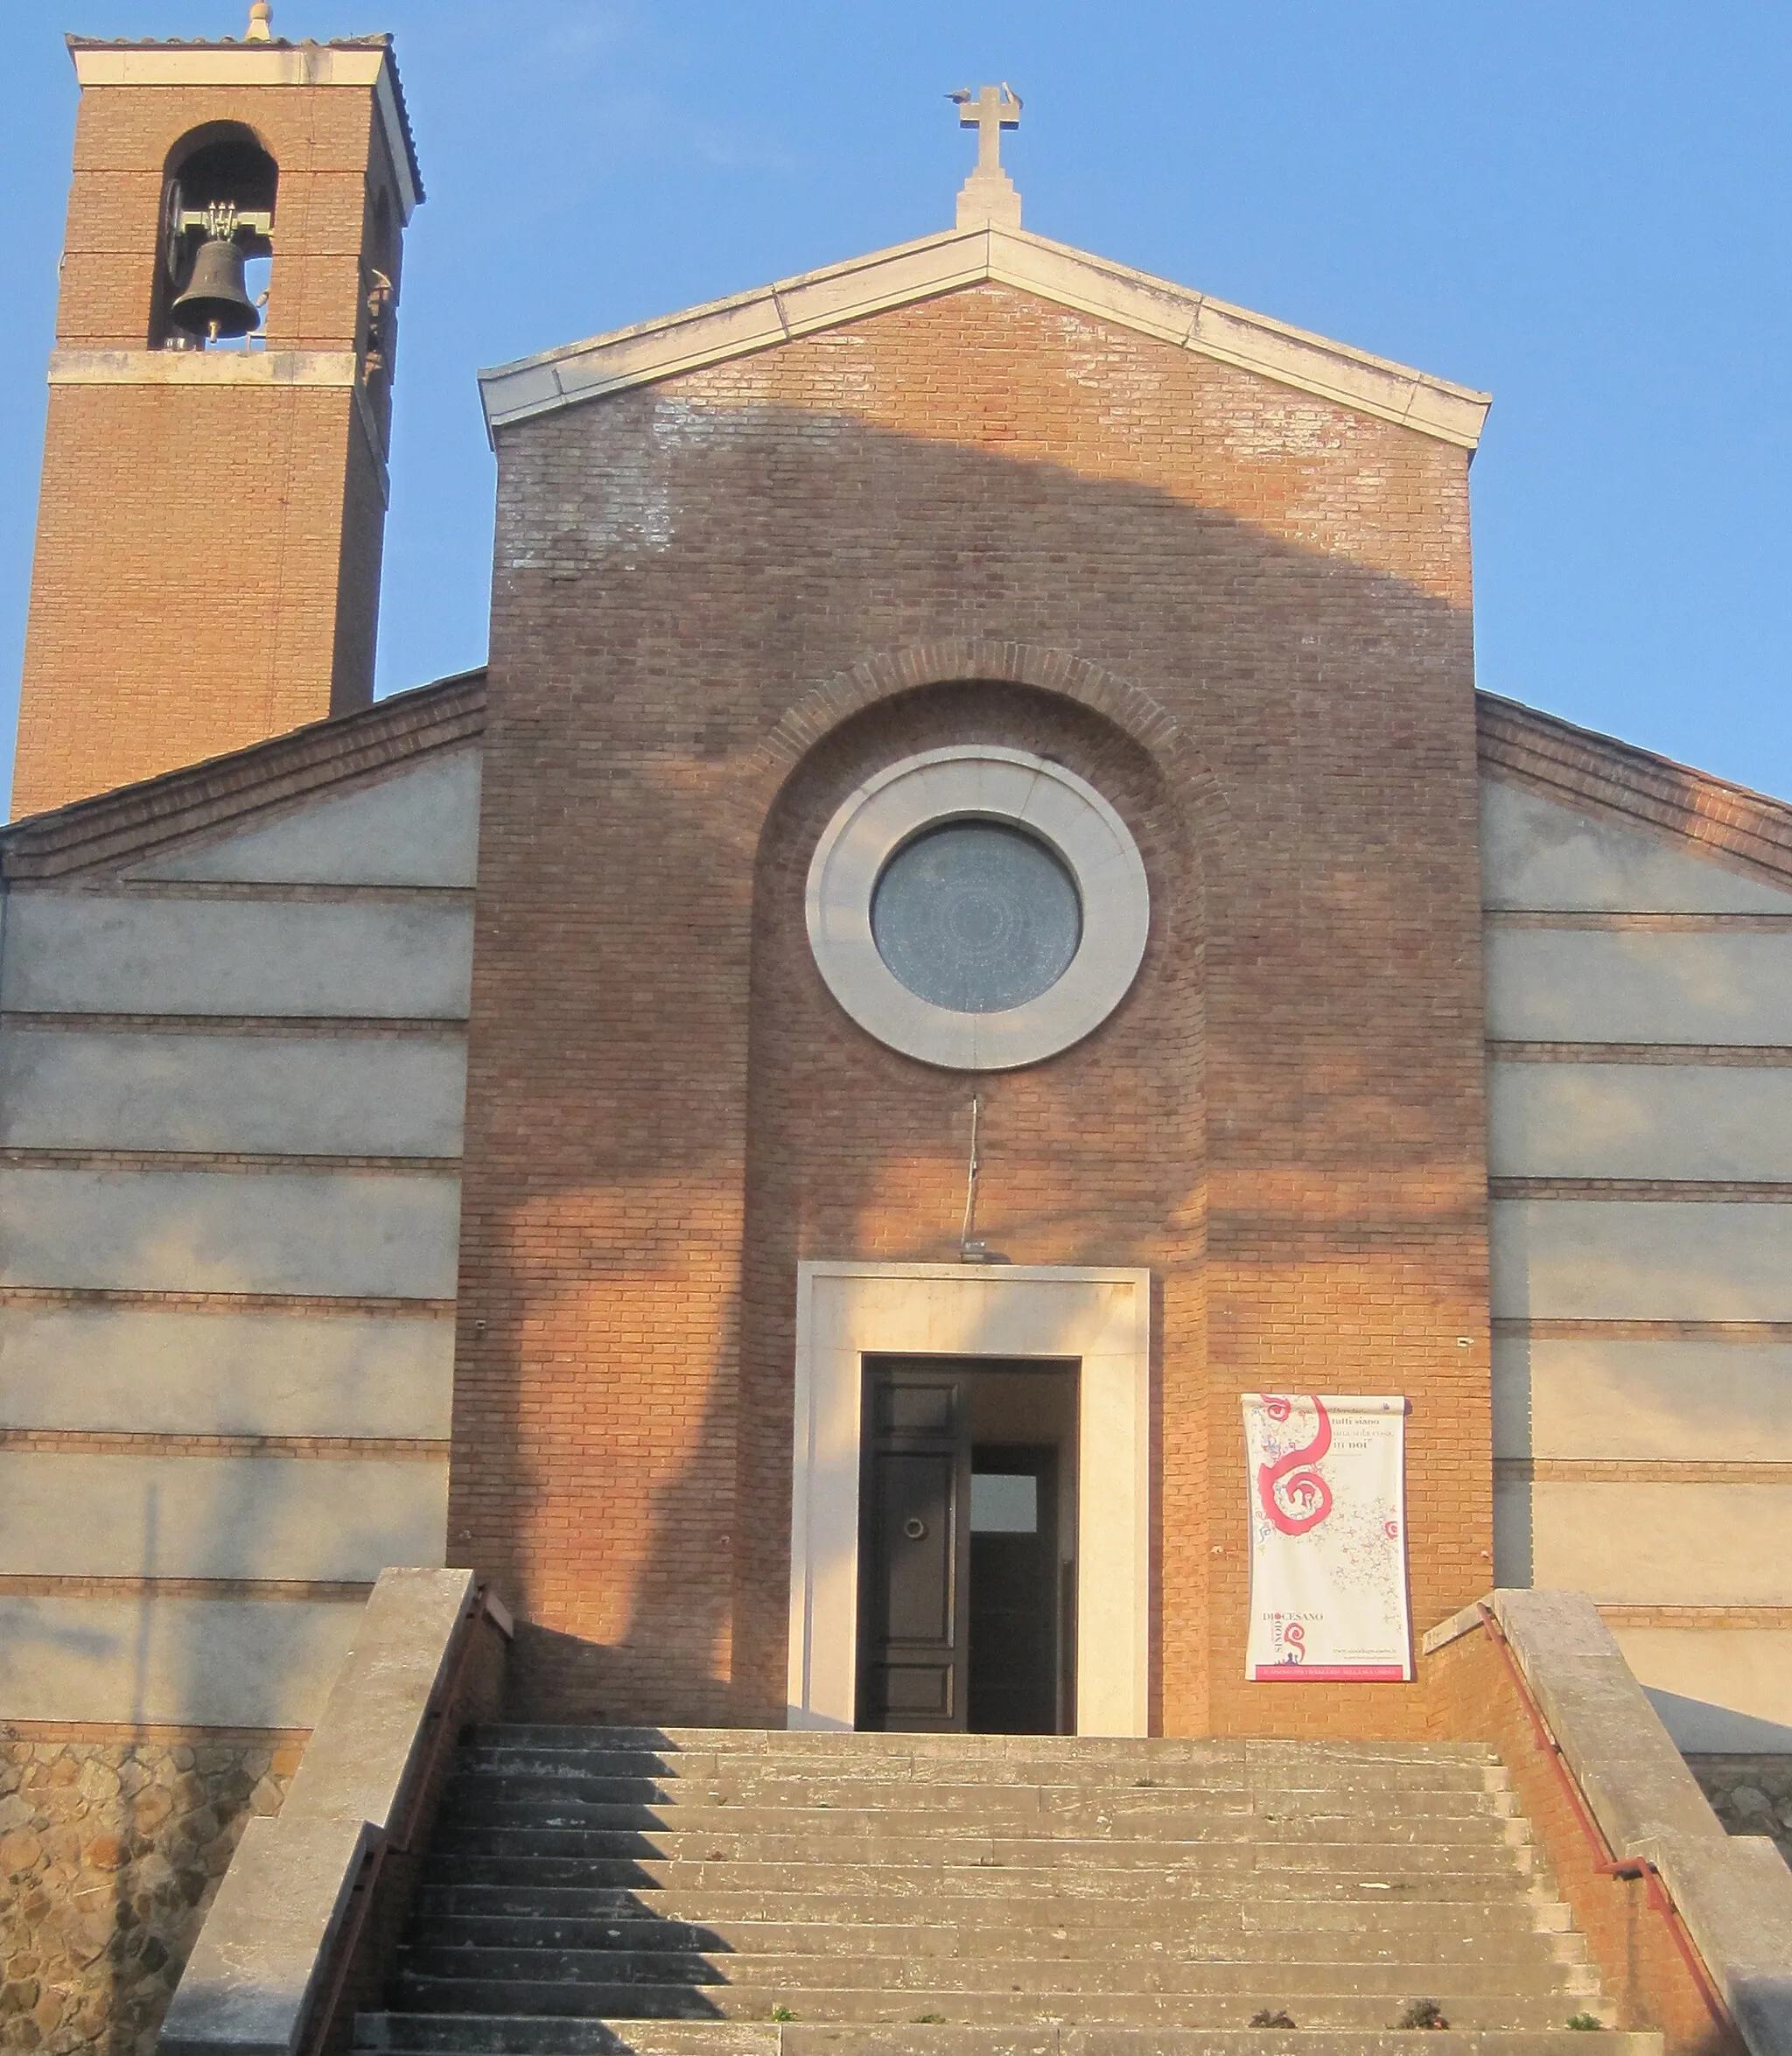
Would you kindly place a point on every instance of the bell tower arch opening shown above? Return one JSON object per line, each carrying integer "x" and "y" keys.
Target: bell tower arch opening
{"x": 213, "y": 274}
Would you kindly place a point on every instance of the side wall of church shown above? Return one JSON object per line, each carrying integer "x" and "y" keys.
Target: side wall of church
{"x": 666, "y": 1114}
{"x": 1641, "y": 1128}
{"x": 231, "y": 1092}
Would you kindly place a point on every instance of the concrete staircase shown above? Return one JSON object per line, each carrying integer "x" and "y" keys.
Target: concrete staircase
{"x": 681, "y": 1891}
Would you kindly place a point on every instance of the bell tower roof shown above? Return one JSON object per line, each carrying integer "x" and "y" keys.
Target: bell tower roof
{"x": 265, "y": 61}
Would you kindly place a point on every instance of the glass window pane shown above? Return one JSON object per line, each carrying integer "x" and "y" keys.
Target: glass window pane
{"x": 976, "y": 916}
{"x": 1001, "y": 1504}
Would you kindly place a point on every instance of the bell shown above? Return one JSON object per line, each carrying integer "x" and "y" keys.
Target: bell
{"x": 215, "y": 302}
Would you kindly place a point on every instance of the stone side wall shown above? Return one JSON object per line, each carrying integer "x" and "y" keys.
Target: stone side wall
{"x": 1750, "y": 1794}
{"x": 110, "y": 1851}
{"x": 1473, "y": 1696}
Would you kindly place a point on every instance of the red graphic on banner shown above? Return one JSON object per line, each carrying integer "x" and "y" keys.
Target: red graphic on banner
{"x": 1293, "y": 1476}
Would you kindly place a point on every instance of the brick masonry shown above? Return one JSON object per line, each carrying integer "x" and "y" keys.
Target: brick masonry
{"x": 1243, "y": 612}
{"x": 110, "y": 1852}
{"x": 207, "y": 560}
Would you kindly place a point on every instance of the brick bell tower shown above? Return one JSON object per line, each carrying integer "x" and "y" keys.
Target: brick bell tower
{"x": 214, "y": 487}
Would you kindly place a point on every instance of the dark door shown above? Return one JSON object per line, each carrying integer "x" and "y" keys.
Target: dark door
{"x": 913, "y": 1512}
{"x": 1014, "y": 1600}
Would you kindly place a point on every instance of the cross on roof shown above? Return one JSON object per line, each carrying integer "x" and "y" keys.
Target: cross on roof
{"x": 988, "y": 198}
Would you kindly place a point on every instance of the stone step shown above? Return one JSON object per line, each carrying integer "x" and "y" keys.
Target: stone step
{"x": 464, "y": 2034}
{"x": 1177, "y": 1934}
{"x": 609, "y": 1801}
{"x": 994, "y": 1970}
{"x": 824, "y": 2003}
{"x": 966, "y": 1747}
{"x": 825, "y": 1839}
{"x": 1232, "y": 1772}
{"x": 1433, "y": 1868}
{"x": 1352, "y": 1909}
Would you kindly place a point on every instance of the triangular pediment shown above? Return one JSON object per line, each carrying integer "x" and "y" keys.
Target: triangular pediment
{"x": 305, "y": 808}
{"x": 1601, "y": 809}
{"x": 913, "y": 271}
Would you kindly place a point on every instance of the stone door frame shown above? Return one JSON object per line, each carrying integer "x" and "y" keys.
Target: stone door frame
{"x": 1100, "y": 1318}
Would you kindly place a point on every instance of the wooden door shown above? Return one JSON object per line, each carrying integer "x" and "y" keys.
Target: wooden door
{"x": 915, "y": 1492}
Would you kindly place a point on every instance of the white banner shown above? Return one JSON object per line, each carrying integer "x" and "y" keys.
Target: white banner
{"x": 1328, "y": 1538}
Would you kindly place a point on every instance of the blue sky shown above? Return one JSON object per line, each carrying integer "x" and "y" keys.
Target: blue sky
{"x": 1580, "y": 203}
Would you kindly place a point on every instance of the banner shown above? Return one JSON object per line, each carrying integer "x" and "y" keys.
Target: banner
{"x": 1327, "y": 1538}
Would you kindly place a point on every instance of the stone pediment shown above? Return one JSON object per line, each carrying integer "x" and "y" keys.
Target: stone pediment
{"x": 936, "y": 264}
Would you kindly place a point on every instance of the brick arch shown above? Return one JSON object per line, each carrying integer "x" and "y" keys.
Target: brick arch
{"x": 824, "y": 708}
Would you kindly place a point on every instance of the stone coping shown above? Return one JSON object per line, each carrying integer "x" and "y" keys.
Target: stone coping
{"x": 913, "y": 271}
{"x": 1733, "y": 1891}
{"x": 267, "y": 1943}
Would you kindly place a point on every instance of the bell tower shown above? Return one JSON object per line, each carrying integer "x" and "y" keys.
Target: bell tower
{"x": 214, "y": 499}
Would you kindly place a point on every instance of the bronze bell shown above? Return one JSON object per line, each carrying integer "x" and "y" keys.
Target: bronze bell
{"x": 215, "y": 302}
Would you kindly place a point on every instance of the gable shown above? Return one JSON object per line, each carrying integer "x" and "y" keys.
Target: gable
{"x": 841, "y": 293}
{"x": 417, "y": 828}
{"x": 243, "y": 816}
{"x": 1540, "y": 853}
{"x": 1575, "y": 820}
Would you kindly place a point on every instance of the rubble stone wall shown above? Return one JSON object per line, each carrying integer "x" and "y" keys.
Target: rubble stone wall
{"x": 1750, "y": 1794}
{"x": 110, "y": 1851}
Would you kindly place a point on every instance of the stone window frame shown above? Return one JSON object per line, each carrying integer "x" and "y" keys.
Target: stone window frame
{"x": 978, "y": 782}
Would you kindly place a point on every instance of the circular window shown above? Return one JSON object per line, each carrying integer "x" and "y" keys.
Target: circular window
{"x": 976, "y": 916}
{"x": 978, "y": 908}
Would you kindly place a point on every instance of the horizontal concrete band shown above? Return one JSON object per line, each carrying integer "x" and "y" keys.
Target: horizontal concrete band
{"x": 336, "y": 1234}
{"x": 259, "y": 1517}
{"x": 1639, "y": 1122}
{"x": 1647, "y": 1543}
{"x": 1586, "y": 1259}
{"x": 179, "y": 1662}
{"x": 315, "y": 368}
{"x": 100, "y": 953}
{"x": 1550, "y": 985}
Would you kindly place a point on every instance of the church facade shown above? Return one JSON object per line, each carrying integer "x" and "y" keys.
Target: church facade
{"x": 974, "y": 917}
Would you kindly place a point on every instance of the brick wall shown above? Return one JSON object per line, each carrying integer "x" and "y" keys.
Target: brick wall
{"x": 1241, "y": 611}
